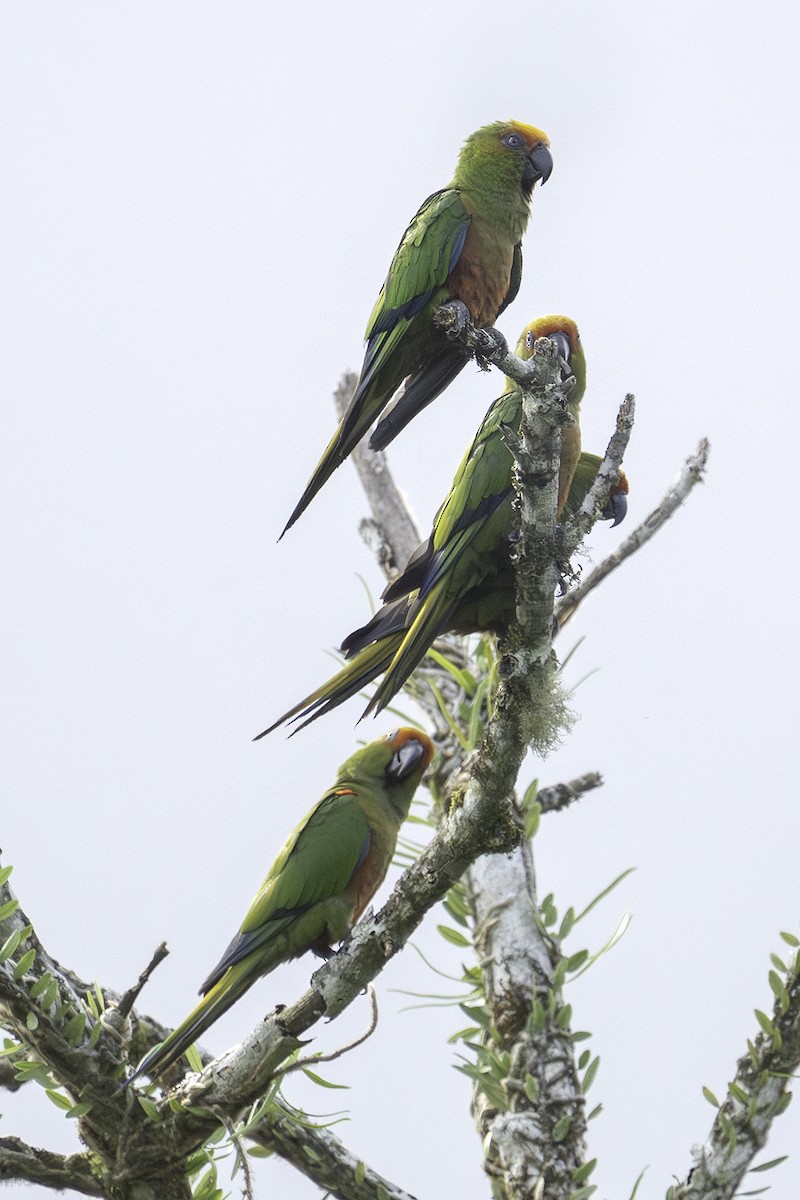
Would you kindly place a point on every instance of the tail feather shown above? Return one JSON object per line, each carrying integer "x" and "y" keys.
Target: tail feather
{"x": 419, "y": 390}
{"x": 430, "y": 622}
{"x": 354, "y": 675}
{"x": 217, "y": 1001}
{"x": 361, "y": 412}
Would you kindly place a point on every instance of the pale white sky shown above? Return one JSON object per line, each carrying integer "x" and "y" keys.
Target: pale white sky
{"x": 200, "y": 203}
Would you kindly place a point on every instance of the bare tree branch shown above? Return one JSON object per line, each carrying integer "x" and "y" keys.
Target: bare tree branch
{"x": 392, "y": 533}
{"x": 759, "y": 1092}
{"x": 322, "y": 1157}
{"x": 560, "y": 795}
{"x": 24, "y": 1163}
{"x": 691, "y": 474}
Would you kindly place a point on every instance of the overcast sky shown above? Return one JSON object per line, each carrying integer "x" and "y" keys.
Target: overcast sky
{"x": 200, "y": 203}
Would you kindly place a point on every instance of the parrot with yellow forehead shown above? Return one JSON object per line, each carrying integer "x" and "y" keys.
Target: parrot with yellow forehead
{"x": 462, "y": 580}
{"x": 464, "y": 244}
{"x": 319, "y": 885}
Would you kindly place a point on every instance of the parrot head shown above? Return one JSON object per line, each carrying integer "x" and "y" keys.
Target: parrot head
{"x": 564, "y": 332}
{"x": 393, "y": 764}
{"x": 509, "y": 150}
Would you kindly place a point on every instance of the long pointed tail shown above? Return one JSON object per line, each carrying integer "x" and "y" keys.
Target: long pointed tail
{"x": 218, "y": 1000}
{"x": 419, "y": 391}
{"x": 430, "y": 622}
{"x": 354, "y": 675}
{"x": 361, "y": 412}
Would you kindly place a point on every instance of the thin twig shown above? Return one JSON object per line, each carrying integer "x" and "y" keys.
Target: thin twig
{"x": 691, "y": 474}
{"x": 560, "y": 795}
{"x": 312, "y": 1059}
{"x": 130, "y": 997}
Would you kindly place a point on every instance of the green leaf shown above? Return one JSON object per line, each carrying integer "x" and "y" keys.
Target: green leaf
{"x": 259, "y": 1152}
{"x": 729, "y": 1131}
{"x": 710, "y": 1097}
{"x": 464, "y": 678}
{"x": 531, "y": 1087}
{"x": 778, "y": 963}
{"x": 591, "y": 1074}
{"x": 325, "y": 1082}
{"x": 538, "y": 1017}
{"x": 32, "y": 1021}
{"x": 605, "y": 892}
{"x": 638, "y": 1181}
{"x": 25, "y": 963}
{"x": 73, "y": 1031}
{"x": 41, "y": 985}
{"x": 5, "y": 874}
{"x": 452, "y": 935}
{"x": 444, "y": 710}
{"x": 533, "y": 816}
{"x": 767, "y": 1166}
{"x": 564, "y": 1016}
{"x": 765, "y": 1023}
{"x": 791, "y": 940}
{"x": 561, "y": 1128}
{"x": 149, "y": 1107}
{"x": 51, "y": 995}
{"x": 595, "y": 1112}
{"x": 193, "y": 1058}
{"x": 584, "y": 1058}
{"x": 584, "y": 1193}
{"x": 576, "y": 961}
{"x": 79, "y": 1110}
{"x": 59, "y": 1099}
{"x": 480, "y": 1015}
{"x": 567, "y": 921}
{"x": 360, "y": 1172}
{"x": 584, "y": 1171}
{"x": 781, "y": 995}
{"x": 9, "y": 946}
{"x": 738, "y": 1093}
{"x": 8, "y": 908}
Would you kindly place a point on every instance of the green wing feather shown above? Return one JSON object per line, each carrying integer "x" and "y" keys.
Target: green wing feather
{"x": 315, "y": 864}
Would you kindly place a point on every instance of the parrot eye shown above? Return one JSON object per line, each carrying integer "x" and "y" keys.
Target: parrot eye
{"x": 529, "y": 340}
{"x": 513, "y": 141}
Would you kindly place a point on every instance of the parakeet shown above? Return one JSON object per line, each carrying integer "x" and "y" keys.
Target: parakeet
{"x": 463, "y": 244}
{"x": 461, "y": 579}
{"x": 319, "y": 885}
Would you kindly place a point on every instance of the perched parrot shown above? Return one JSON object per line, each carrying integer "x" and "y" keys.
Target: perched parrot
{"x": 464, "y": 244}
{"x": 461, "y": 580}
{"x": 327, "y": 872}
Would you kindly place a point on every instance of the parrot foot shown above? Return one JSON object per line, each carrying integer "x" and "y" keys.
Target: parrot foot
{"x": 492, "y": 347}
{"x": 454, "y": 318}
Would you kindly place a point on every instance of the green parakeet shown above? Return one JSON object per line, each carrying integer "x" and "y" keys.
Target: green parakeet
{"x": 461, "y": 580}
{"x": 319, "y": 885}
{"x": 464, "y": 244}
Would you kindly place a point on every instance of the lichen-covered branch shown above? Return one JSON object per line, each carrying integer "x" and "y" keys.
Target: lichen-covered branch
{"x": 321, "y": 1156}
{"x": 561, "y": 795}
{"x": 759, "y": 1092}
{"x": 533, "y": 1136}
{"x": 26, "y": 1164}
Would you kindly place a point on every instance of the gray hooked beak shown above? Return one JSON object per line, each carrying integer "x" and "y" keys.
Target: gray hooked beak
{"x": 617, "y": 508}
{"x": 541, "y": 164}
{"x": 405, "y": 761}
